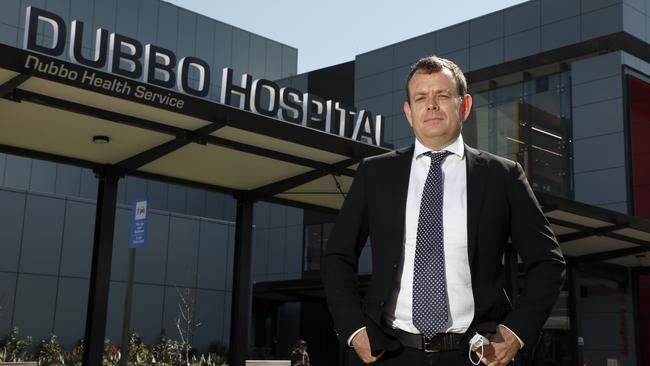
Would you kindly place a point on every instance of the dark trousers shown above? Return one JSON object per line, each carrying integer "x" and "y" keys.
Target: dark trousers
{"x": 407, "y": 356}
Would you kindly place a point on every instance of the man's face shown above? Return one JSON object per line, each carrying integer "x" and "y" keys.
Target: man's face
{"x": 436, "y": 111}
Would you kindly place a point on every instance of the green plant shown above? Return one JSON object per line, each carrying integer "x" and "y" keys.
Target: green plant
{"x": 167, "y": 351}
{"x": 111, "y": 355}
{"x": 74, "y": 357}
{"x": 139, "y": 354}
{"x": 213, "y": 359}
{"x": 13, "y": 348}
{"x": 50, "y": 352}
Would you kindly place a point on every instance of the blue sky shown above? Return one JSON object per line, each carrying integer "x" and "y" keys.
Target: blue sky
{"x": 329, "y": 32}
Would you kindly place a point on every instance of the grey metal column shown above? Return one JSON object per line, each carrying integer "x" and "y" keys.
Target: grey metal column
{"x": 100, "y": 272}
{"x": 240, "y": 311}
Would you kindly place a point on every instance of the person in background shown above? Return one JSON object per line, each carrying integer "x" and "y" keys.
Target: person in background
{"x": 299, "y": 355}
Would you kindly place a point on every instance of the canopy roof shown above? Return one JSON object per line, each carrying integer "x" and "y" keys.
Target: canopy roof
{"x": 232, "y": 150}
{"x": 589, "y": 233}
{"x": 586, "y": 234}
{"x": 205, "y": 143}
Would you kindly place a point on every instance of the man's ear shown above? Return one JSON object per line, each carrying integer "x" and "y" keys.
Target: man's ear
{"x": 466, "y": 106}
{"x": 407, "y": 113}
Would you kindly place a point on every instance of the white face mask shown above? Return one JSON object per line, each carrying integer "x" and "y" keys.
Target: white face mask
{"x": 475, "y": 346}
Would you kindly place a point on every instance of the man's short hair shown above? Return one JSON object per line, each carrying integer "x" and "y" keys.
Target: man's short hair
{"x": 433, "y": 64}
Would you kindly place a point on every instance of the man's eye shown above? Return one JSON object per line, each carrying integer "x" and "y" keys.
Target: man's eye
{"x": 443, "y": 96}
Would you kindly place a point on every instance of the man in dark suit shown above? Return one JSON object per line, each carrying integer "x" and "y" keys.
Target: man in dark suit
{"x": 438, "y": 216}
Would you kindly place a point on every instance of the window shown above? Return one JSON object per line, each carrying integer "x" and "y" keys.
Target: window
{"x": 316, "y": 236}
{"x": 528, "y": 122}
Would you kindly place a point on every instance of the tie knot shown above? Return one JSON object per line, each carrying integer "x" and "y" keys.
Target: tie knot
{"x": 437, "y": 157}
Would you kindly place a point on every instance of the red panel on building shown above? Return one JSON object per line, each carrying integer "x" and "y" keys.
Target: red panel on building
{"x": 639, "y": 99}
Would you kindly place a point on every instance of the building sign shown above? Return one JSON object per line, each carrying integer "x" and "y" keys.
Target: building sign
{"x": 127, "y": 57}
{"x": 138, "y": 223}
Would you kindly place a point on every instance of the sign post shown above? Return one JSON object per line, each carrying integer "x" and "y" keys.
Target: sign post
{"x": 138, "y": 238}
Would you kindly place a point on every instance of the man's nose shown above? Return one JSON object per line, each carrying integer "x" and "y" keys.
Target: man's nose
{"x": 432, "y": 104}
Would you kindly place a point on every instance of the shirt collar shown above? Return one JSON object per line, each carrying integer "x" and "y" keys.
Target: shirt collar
{"x": 457, "y": 148}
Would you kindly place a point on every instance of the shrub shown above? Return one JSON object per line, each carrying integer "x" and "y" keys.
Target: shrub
{"x": 50, "y": 352}
{"x": 13, "y": 348}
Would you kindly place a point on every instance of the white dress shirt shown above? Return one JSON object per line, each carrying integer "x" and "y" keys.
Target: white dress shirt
{"x": 454, "y": 221}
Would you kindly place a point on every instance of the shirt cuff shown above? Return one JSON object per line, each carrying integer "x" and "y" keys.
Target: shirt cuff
{"x": 521, "y": 343}
{"x": 353, "y": 334}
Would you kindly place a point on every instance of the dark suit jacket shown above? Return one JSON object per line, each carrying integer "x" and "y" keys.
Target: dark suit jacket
{"x": 500, "y": 205}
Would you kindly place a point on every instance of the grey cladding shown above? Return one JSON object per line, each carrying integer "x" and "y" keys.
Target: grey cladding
{"x": 486, "y": 54}
{"x": 598, "y": 119}
{"x": 590, "y": 5}
{"x": 71, "y": 306}
{"x": 212, "y": 259}
{"x": 11, "y": 229}
{"x": 34, "y": 305}
{"x": 554, "y": 10}
{"x": 42, "y": 234}
{"x": 561, "y": 33}
{"x": 186, "y": 45}
{"x": 522, "y": 17}
{"x": 590, "y": 154}
{"x": 610, "y": 188}
{"x": 522, "y": 44}
{"x": 486, "y": 28}
{"x": 78, "y": 231}
{"x": 195, "y": 202}
{"x": 597, "y": 91}
{"x": 43, "y": 176}
{"x": 373, "y": 62}
{"x": 17, "y": 170}
{"x": 68, "y": 180}
{"x": 409, "y": 51}
{"x": 634, "y": 22}
{"x": 592, "y": 24}
{"x": 167, "y": 27}
{"x": 452, "y": 38}
{"x": 104, "y": 15}
{"x": 182, "y": 252}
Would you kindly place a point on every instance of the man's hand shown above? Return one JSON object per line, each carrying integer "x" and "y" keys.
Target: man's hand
{"x": 503, "y": 347}
{"x": 361, "y": 345}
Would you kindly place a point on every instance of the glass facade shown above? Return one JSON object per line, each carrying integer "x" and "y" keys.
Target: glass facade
{"x": 316, "y": 236}
{"x": 528, "y": 122}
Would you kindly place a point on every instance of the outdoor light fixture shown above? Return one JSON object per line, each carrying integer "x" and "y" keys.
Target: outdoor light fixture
{"x": 101, "y": 139}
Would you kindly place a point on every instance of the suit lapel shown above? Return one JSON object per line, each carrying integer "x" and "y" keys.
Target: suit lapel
{"x": 400, "y": 184}
{"x": 476, "y": 177}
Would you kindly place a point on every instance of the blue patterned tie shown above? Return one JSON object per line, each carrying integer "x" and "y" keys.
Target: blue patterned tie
{"x": 430, "y": 304}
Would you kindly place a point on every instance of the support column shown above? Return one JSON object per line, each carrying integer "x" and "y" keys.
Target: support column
{"x": 100, "y": 272}
{"x": 240, "y": 311}
{"x": 575, "y": 313}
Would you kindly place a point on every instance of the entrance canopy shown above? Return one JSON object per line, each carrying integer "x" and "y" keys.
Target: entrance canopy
{"x": 586, "y": 234}
{"x": 591, "y": 234}
{"x": 61, "y": 111}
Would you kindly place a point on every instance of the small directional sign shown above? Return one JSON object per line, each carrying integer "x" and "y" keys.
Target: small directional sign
{"x": 139, "y": 223}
